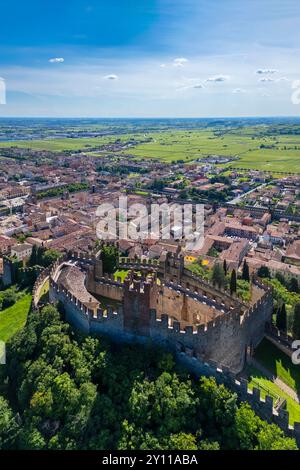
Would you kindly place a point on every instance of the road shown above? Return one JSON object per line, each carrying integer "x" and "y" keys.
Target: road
{"x": 236, "y": 200}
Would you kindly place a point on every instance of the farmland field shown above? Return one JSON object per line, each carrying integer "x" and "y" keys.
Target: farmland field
{"x": 57, "y": 145}
{"x": 255, "y": 150}
{"x": 261, "y": 153}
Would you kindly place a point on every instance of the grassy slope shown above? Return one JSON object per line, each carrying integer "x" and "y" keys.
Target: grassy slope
{"x": 279, "y": 364}
{"x": 269, "y": 388}
{"x": 282, "y": 367}
{"x": 14, "y": 318}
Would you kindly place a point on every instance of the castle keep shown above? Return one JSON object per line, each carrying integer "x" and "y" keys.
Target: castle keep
{"x": 162, "y": 302}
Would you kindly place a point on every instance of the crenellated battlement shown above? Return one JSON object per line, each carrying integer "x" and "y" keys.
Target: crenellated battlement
{"x": 190, "y": 346}
{"x": 160, "y": 301}
{"x": 185, "y": 306}
{"x": 265, "y": 407}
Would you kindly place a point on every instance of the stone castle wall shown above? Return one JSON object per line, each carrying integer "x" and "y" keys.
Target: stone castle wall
{"x": 217, "y": 347}
{"x": 190, "y": 347}
{"x": 224, "y": 339}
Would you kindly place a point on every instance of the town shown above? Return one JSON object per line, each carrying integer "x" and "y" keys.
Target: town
{"x": 149, "y": 232}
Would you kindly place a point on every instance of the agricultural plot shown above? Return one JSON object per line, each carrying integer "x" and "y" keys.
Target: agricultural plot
{"x": 281, "y": 154}
{"x": 274, "y": 153}
{"x": 58, "y": 145}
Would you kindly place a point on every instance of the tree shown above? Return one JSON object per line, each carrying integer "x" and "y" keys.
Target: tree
{"x": 39, "y": 255}
{"x": 293, "y": 285}
{"x": 9, "y": 297}
{"x": 168, "y": 397}
{"x": 33, "y": 257}
{"x": 209, "y": 445}
{"x": 247, "y": 425}
{"x": 263, "y": 272}
{"x": 225, "y": 267}
{"x": 233, "y": 282}
{"x": 182, "y": 441}
{"x": 49, "y": 257}
{"x": 213, "y": 252}
{"x": 9, "y": 428}
{"x": 296, "y": 322}
{"x": 281, "y": 319}
{"x": 280, "y": 278}
{"x": 109, "y": 256}
{"x": 245, "y": 274}
{"x": 271, "y": 437}
{"x": 218, "y": 276}
{"x": 218, "y": 407}
{"x": 32, "y": 439}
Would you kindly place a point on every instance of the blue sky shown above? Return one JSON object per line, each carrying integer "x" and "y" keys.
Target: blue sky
{"x": 149, "y": 57}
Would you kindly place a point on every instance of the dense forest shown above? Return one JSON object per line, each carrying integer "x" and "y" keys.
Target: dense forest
{"x": 62, "y": 390}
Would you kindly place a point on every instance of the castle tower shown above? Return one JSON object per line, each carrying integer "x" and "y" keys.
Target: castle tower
{"x": 174, "y": 266}
{"x": 137, "y": 304}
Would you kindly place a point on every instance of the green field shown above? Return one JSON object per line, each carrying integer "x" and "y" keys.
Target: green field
{"x": 58, "y": 145}
{"x": 190, "y": 145}
{"x": 274, "y": 153}
{"x": 14, "y": 318}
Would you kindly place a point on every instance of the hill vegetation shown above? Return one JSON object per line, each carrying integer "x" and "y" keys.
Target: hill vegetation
{"x": 66, "y": 391}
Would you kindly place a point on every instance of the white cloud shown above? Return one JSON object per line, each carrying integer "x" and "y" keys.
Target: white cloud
{"x": 266, "y": 71}
{"x": 218, "y": 78}
{"x": 266, "y": 80}
{"x": 111, "y": 77}
{"x": 180, "y": 61}
{"x": 56, "y": 60}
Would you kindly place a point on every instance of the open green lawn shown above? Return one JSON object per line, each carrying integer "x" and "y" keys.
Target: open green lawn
{"x": 14, "y": 318}
{"x": 279, "y": 364}
{"x": 269, "y": 388}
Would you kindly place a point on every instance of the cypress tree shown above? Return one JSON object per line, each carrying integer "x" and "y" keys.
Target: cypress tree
{"x": 225, "y": 267}
{"x": 296, "y": 322}
{"x": 293, "y": 285}
{"x": 281, "y": 320}
{"x": 233, "y": 282}
{"x": 218, "y": 277}
{"x": 33, "y": 256}
{"x": 246, "y": 275}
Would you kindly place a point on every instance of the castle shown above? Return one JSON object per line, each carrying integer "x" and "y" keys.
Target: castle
{"x": 210, "y": 332}
{"x": 162, "y": 302}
